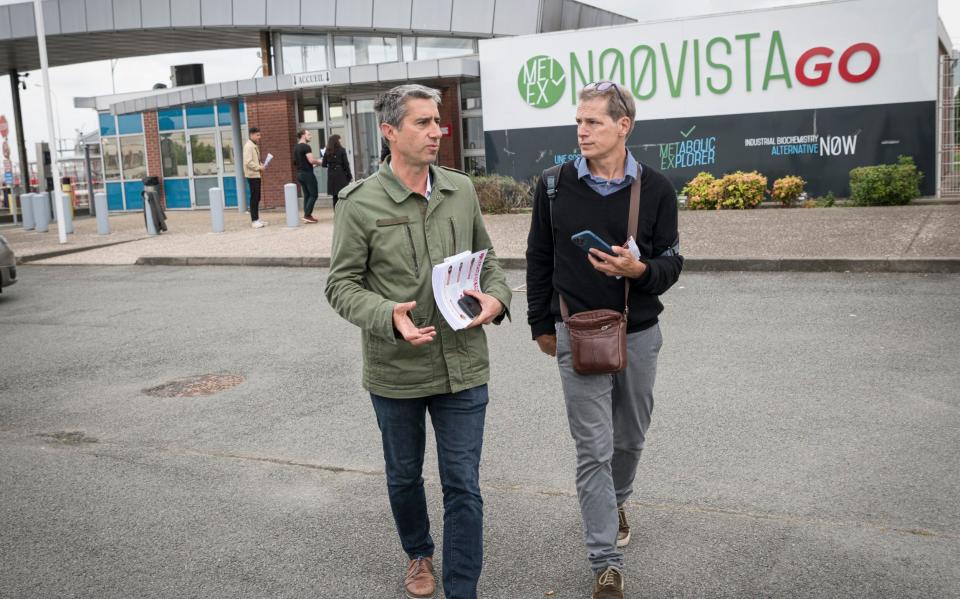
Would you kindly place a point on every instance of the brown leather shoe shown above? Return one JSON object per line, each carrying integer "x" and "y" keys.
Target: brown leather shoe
{"x": 608, "y": 584}
{"x": 419, "y": 582}
{"x": 623, "y": 534}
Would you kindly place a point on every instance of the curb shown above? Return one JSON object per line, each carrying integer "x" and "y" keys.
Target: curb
{"x": 289, "y": 262}
{"x": 859, "y": 265}
{"x": 73, "y": 250}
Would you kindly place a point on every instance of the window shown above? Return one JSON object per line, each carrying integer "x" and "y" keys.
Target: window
{"x": 470, "y": 96}
{"x": 173, "y": 155}
{"x": 130, "y": 123}
{"x": 473, "y": 133}
{"x": 475, "y": 165}
{"x": 134, "y": 158}
{"x": 170, "y": 119}
{"x": 200, "y": 116}
{"x": 304, "y": 53}
{"x": 223, "y": 114}
{"x": 108, "y": 126}
{"x": 111, "y": 158}
{"x": 226, "y": 151}
{"x": 444, "y": 47}
{"x": 474, "y": 157}
{"x": 357, "y": 50}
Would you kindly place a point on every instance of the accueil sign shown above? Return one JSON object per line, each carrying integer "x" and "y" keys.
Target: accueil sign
{"x": 846, "y": 53}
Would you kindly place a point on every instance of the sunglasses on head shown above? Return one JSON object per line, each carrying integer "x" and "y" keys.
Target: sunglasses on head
{"x": 602, "y": 86}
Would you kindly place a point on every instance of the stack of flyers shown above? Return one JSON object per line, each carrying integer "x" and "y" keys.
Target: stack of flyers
{"x": 450, "y": 279}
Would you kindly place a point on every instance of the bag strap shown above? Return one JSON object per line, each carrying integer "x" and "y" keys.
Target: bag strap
{"x": 632, "y": 223}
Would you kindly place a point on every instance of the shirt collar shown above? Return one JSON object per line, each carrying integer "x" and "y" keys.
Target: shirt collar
{"x": 631, "y": 169}
{"x": 429, "y": 178}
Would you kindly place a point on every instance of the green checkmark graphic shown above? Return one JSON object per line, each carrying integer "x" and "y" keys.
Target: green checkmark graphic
{"x": 687, "y": 134}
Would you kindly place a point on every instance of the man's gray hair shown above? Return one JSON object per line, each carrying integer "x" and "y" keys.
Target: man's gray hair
{"x": 391, "y": 107}
{"x": 619, "y": 101}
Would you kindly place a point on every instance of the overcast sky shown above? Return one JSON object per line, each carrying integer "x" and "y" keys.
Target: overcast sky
{"x": 136, "y": 74}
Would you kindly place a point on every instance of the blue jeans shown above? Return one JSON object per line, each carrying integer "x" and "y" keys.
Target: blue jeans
{"x": 458, "y": 426}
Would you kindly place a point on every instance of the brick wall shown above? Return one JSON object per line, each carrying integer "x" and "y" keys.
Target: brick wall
{"x": 276, "y": 117}
{"x": 151, "y": 137}
{"x": 450, "y": 149}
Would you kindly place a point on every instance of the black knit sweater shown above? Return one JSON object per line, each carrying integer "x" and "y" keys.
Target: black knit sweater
{"x": 576, "y": 208}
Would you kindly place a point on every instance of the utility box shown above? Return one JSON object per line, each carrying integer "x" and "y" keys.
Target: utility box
{"x": 186, "y": 74}
{"x": 44, "y": 168}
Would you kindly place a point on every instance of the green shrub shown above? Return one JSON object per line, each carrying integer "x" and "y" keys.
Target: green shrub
{"x": 826, "y": 201}
{"x": 885, "y": 184}
{"x": 787, "y": 190}
{"x": 502, "y": 195}
{"x": 698, "y": 192}
{"x": 740, "y": 190}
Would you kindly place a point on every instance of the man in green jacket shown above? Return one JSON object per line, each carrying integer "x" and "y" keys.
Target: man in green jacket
{"x": 390, "y": 230}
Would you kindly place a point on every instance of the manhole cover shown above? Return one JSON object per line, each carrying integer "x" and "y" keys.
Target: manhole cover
{"x": 196, "y": 386}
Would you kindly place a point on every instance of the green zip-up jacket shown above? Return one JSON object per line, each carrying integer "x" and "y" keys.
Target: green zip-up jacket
{"x": 386, "y": 241}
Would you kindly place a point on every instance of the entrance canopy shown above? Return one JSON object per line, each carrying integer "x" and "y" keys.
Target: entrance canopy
{"x": 86, "y": 30}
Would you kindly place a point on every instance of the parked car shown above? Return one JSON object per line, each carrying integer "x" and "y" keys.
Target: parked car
{"x": 8, "y": 264}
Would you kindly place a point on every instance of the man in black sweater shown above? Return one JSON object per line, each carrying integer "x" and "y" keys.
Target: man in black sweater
{"x": 608, "y": 414}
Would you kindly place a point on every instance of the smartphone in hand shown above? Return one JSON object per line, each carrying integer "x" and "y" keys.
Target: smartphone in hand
{"x": 470, "y": 305}
{"x": 585, "y": 240}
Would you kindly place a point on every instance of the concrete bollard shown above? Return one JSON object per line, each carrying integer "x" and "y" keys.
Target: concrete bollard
{"x": 291, "y": 205}
{"x": 148, "y": 215}
{"x": 26, "y": 211}
{"x": 216, "y": 209}
{"x": 67, "y": 214}
{"x": 41, "y": 212}
{"x": 100, "y": 207}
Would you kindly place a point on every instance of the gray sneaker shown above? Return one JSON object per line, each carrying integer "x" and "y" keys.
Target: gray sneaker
{"x": 608, "y": 584}
{"x": 623, "y": 533}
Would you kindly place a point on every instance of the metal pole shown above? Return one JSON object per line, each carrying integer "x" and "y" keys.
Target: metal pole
{"x": 21, "y": 138}
{"x": 88, "y": 165}
{"x": 26, "y": 210}
{"x": 216, "y": 209}
{"x": 103, "y": 221}
{"x": 238, "y": 155}
{"x": 41, "y": 211}
{"x": 291, "y": 205}
{"x": 54, "y": 161}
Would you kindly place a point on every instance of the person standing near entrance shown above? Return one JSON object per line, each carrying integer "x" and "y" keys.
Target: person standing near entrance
{"x": 608, "y": 414}
{"x": 252, "y": 171}
{"x": 305, "y": 161}
{"x": 338, "y": 168}
{"x": 390, "y": 228}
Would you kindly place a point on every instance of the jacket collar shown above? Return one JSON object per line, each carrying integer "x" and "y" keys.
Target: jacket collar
{"x": 399, "y": 192}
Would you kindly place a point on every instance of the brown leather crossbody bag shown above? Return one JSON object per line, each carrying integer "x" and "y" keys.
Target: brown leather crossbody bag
{"x": 598, "y": 338}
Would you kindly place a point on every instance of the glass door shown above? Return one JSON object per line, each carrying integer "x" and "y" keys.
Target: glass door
{"x": 365, "y": 138}
{"x": 205, "y": 168}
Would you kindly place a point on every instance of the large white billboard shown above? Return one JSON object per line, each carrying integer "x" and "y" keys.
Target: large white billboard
{"x": 834, "y": 54}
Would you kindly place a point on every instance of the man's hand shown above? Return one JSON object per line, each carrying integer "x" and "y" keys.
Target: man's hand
{"x": 623, "y": 264}
{"x": 548, "y": 344}
{"x": 490, "y": 308}
{"x": 409, "y": 331}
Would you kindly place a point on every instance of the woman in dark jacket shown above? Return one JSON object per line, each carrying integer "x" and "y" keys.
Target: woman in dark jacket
{"x": 338, "y": 167}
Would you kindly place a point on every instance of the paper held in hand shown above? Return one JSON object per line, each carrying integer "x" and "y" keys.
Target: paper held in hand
{"x": 453, "y": 277}
{"x": 266, "y": 162}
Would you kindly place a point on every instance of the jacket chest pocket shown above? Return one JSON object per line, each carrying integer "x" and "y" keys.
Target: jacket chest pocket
{"x": 457, "y": 239}
{"x": 397, "y": 236}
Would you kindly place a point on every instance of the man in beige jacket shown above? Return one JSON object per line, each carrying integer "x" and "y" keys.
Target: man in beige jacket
{"x": 252, "y": 169}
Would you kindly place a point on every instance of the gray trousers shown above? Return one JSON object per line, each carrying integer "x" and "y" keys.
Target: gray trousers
{"x": 609, "y": 416}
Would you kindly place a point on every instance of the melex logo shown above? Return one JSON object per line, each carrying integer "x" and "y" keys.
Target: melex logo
{"x": 541, "y": 82}
{"x": 746, "y": 62}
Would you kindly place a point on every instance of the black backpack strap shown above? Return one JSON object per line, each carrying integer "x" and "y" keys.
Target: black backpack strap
{"x": 550, "y": 178}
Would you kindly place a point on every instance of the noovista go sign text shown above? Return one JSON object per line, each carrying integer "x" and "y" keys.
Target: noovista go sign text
{"x": 747, "y": 61}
